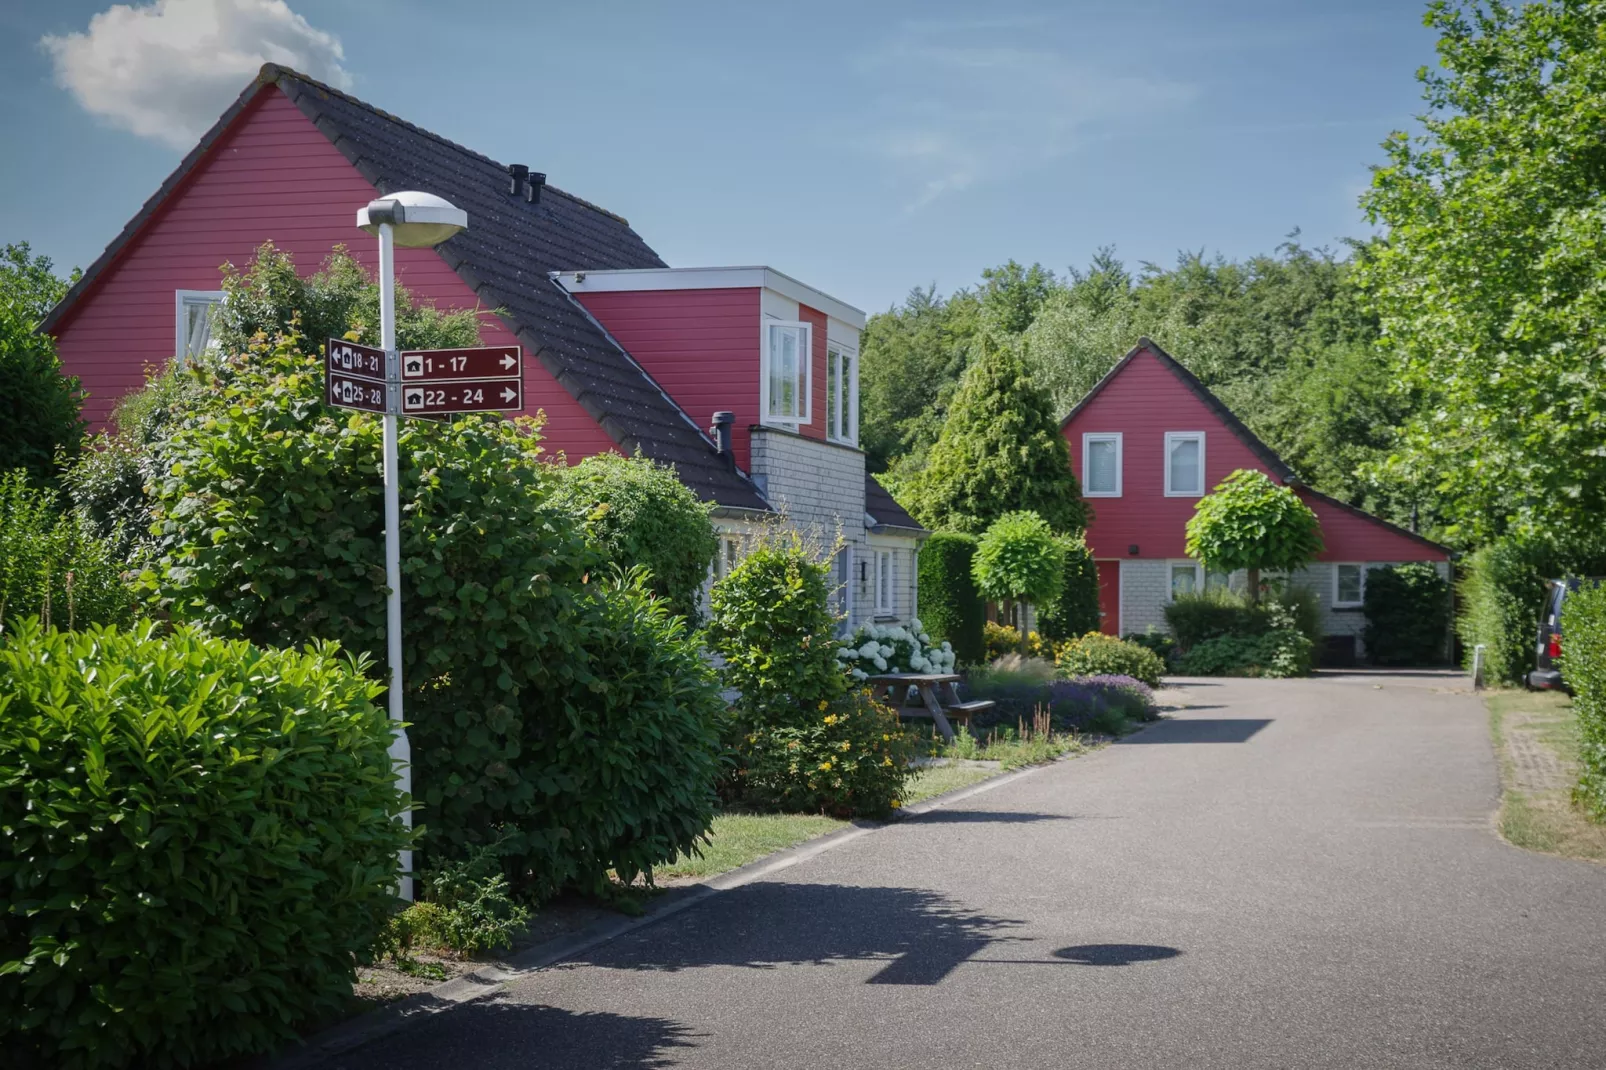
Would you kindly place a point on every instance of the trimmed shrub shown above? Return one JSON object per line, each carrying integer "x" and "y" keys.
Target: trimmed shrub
{"x": 1281, "y": 652}
{"x": 1502, "y": 594}
{"x": 1019, "y": 560}
{"x": 849, "y": 757}
{"x": 1097, "y": 654}
{"x": 1248, "y": 522}
{"x": 1407, "y": 614}
{"x": 200, "y": 844}
{"x": 1152, "y": 639}
{"x": 950, "y": 605}
{"x": 1583, "y": 665}
{"x": 51, "y": 567}
{"x": 1075, "y": 610}
{"x": 1201, "y": 615}
{"x": 640, "y": 513}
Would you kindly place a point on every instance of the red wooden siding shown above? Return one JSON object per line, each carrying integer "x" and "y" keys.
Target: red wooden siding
{"x": 1109, "y": 597}
{"x": 271, "y": 177}
{"x": 815, "y": 428}
{"x": 1348, "y": 536}
{"x": 702, "y": 347}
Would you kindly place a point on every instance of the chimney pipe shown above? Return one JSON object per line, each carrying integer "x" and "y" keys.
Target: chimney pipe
{"x": 723, "y": 427}
{"x": 515, "y": 178}
{"x": 533, "y": 192}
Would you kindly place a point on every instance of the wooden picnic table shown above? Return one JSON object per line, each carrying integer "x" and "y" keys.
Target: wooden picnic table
{"x": 894, "y": 686}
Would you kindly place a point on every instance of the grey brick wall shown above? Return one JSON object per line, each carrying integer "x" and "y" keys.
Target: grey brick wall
{"x": 1145, "y": 590}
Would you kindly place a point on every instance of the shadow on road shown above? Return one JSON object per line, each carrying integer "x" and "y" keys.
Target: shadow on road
{"x": 1115, "y": 954}
{"x": 1200, "y": 730}
{"x": 966, "y": 817}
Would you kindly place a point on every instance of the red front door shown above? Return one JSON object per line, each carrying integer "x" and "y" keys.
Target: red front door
{"x": 1109, "y": 597}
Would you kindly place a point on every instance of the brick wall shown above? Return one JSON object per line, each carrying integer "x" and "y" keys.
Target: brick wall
{"x": 1145, "y": 590}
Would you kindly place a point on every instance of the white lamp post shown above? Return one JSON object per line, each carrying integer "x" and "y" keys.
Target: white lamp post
{"x": 411, "y": 220}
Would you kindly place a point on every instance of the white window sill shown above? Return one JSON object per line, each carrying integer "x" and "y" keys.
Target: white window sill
{"x": 1184, "y": 494}
{"x": 1101, "y": 493}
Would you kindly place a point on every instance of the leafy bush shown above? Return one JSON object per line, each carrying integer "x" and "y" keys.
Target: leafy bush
{"x": 950, "y": 605}
{"x": 640, "y": 513}
{"x": 1502, "y": 594}
{"x": 474, "y": 910}
{"x": 1218, "y": 613}
{"x": 201, "y": 841}
{"x": 1152, "y": 639}
{"x": 51, "y": 567}
{"x": 1248, "y": 522}
{"x": 849, "y": 757}
{"x": 1278, "y": 652}
{"x": 877, "y": 648}
{"x": 1583, "y": 664}
{"x": 1407, "y": 614}
{"x": 1097, "y": 654}
{"x": 1074, "y": 610}
{"x": 1003, "y": 641}
{"x": 38, "y": 403}
{"x": 574, "y": 713}
{"x": 1020, "y": 691}
{"x": 1133, "y": 698}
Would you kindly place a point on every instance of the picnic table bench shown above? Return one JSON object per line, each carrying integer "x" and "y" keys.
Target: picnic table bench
{"x": 894, "y": 688}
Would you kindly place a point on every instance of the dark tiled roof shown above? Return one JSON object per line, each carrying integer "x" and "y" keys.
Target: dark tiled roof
{"x": 1268, "y": 456}
{"x": 886, "y": 512}
{"x": 506, "y": 257}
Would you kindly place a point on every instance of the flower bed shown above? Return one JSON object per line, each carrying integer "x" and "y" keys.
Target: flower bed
{"x": 879, "y": 648}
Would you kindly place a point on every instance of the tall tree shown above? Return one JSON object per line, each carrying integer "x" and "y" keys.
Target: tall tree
{"x": 39, "y": 404}
{"x": 1000, "y": 451}
{"x": 1491, "y": 281}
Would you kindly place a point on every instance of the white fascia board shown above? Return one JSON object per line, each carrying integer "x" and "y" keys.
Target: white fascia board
{"x": 709, "y": 278}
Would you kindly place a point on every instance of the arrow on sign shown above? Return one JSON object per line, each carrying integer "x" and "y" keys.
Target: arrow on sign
{"x": 508, "y": 361}
{"x": 508, "y": 393}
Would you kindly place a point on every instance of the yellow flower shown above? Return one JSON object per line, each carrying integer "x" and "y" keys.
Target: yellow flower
{"x": 884, "y": 736}
{"x": 844, "y": 745}
{"x": 830, "y": 718}
{"x": 823, "y": 704}
{"x": 886, "y": 761}
{"x": 826, "y": 766}
{"x": 896, "y": 804}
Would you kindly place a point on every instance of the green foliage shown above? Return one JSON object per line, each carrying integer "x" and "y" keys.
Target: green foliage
{"x": 1407, "y": 614}
{"x": 38, "y": 403}
{"x": 1000, "y": 451}
{"x": 913, "y": 357}
{"x": 474, "y": 909}
{"x": 270, "y": 299}
{"x": 849, "y": 757}
{"x": 1019, "y": 559}
{"x": 770, "y": 621}
{"x": 201, "y": 842}
{"x": 51, "y": 567}
{"x": 1583, "y": 665}
{"x": 1003, "y": 641}
{"x": 640, "y": 513}
{"x": 1249, "y": 522}
{"x": 569, "y": 720}
{"x": 1074, "y": 610}
{"x": 1489, "y": 282}
{"x": 1502, "y": 594}
{"x": 1218, "y": 613}
{"x": 1096, "y": 654}
{"x": 1280, "y": 652}
{"x": 950, "y": 605}
{"x": 1200, "y": 615}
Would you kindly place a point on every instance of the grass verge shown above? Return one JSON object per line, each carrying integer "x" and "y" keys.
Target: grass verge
{"x": 1536, "y": 740}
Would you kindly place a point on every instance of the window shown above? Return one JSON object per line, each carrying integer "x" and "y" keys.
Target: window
{"x": 841, "y": 395}
{"x": 1349, "y": 585}
{"x": 785, "y": 372}
{"x": 1184, "y": 464}
{"x": 1185, "y": 578}
{"x": 729, "y": 556}
{"x": 195, "y": 315}
{"x": 1101, "y": 465}
{"x": 883, "y": 583}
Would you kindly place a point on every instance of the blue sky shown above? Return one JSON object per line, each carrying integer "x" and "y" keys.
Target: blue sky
{"x": 864, "y": 148}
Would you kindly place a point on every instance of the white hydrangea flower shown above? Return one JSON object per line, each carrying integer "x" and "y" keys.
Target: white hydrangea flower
{"x": 915, "y": 625}
{"x": 947, "y": 648}
{"x": 860, "y": 674}
{"x": 924, "y": 638}
{"x": 870, "y": 650}
{"x": 881, "y": 663}
{"x": 844, "y": 653}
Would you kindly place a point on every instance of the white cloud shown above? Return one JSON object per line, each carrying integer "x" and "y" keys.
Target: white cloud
{"x": 955, "y": 110}
{"x": 168, "y": 69}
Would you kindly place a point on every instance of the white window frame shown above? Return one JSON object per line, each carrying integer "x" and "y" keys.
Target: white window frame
{"x": 181, "y": 300}
{"x": 1198, "y": 577}
{"x": 1361, "y": 566}
{"x": 846, "y": 430}
{"x": 806, "y": 353}
{"x": 885, "y": 568}
{"x": 729, "y": 555}
{"x": 1088, "y": 438}
{"x": 1171, "y": 438}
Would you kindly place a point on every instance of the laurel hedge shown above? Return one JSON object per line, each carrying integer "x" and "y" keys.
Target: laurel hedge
{"x": 1583, "y": 666}
{"x": 950, "y": 606}
{"x": 199, "y": 843}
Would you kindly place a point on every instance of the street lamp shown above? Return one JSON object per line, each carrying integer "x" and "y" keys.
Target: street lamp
{"x": 416, "y": 221}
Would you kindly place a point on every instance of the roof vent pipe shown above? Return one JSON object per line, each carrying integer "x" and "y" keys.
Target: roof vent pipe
{"x": 723, "y": 427}
{"x": 533, "y": 192}
{"x": 515, "y": 178}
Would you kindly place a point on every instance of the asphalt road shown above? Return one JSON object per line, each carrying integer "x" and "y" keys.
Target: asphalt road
{"x": 1289, "y": 874}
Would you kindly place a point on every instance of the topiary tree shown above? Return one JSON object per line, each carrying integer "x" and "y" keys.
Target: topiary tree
{"x": 1000, "y": 451}
{"x": 640, "y": 514}
{"x": 1019, "y": 560}
{"x": 1074, "y": 610}
{"x": 950, "y": 606}
{"x": 39, "y": 403}
{"x": 1251, "y": 523}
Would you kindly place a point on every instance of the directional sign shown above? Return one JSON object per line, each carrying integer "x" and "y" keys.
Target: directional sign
{"x": 362, "y": 362}
{"x": 465, "y": 395}
{"x": 353, "y": 393}
{"x": 488, "y": 362}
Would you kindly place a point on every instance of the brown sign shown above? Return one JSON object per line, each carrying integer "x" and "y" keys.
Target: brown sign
{"x": 351, "y": 359}
{"x": 487, "y": 362}
{"x": 351, "y": 392}
{"x": 469, "y": 395}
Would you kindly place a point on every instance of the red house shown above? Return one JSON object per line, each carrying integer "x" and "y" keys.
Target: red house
{"x": 622, "y": 352}
{"x": 1147, "y": 443}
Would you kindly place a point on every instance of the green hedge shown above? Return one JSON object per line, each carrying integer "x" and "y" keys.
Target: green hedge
{"x": 200, "y": 843}
{"x": 950, "y": 606}
{"x": 52, "y": 566}
{"x": 1583, "y": 665}
{"x": 1502, "y": 594}
{"x": 1096, "y": 654}
{"x": 1407, "y": 611}
{"x": 1075, "y": 611}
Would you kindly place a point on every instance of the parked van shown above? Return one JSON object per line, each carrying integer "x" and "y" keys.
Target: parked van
{"x": 1547, "y": 652}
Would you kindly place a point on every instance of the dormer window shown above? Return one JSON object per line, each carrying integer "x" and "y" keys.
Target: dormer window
{"x": 784, "y": 372}
{"x": 1184, "y": 464}
{"x": 841, "y": 395}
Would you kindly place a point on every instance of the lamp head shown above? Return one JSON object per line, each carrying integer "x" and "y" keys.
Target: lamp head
{"x": 418, "y": 220}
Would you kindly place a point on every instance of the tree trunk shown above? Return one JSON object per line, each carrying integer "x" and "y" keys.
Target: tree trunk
{"x": 1254, "y": 586}
{"x": 1020, "y": 610}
